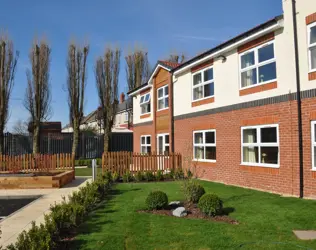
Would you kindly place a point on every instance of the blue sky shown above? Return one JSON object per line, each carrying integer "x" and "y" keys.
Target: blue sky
{"x": 161, "y": 27}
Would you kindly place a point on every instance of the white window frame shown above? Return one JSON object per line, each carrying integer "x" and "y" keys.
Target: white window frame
{"x": 146, "y": 144}
{"x": 202, "y": 83}
{"x": 257, "y": 65}
{"x": 164, "y": 144}
{"x": 313, "y": 143}
{"x": 144, "y": 103}
{"x": 260, "y": 144}
{"x": 310, "y": 46}
{"x": 163, "y": 97}
{"x": 204, "y": 144}
{"x": 126, "y": 117}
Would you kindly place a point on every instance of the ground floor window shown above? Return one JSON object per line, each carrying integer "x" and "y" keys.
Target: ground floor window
{"x": 163, "y": 144}
{"x": 313, "y": 145}
{"x": 145, "y": 144}
{"x": 260, "y": 145}
{"x": 204, "y": 145}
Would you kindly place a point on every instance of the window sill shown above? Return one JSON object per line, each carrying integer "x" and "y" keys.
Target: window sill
{"x": 158, "y": 110}
{"x": 143, "y": 116}
{"x": 200, "y": 102}
{"x": 259, "y": 165}
{"x": 204, "y": 163}
{"x": 258, "y": 88}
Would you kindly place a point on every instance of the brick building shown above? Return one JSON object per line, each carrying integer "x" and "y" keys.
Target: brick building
{"x": 236, "y": 108}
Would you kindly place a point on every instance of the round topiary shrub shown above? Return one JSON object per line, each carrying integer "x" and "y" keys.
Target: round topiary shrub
{"x": 193, "y": 191}
{"x": 156, "y": 200}
{"x": 210, "y": 204}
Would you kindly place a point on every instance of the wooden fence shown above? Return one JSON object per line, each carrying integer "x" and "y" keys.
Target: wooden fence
{"x": 120, "y": 162}
{"x": 36, "y": 163}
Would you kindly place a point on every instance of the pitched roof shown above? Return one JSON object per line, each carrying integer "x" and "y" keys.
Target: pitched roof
{"x": 231, "y": 41}
{"x": 168, "y": 64}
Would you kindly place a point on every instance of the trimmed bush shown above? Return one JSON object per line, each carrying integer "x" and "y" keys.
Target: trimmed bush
{"x": 149, "y": 176}
{"x": 127, "y": 177}
{"x": 38, "y": 237}
{"x": 210, "y": 204}
{"x": 115, "y": 177}
{"x": 193, "y": 191}
{"x": 156, "y": 200}
{"x": 179, "y": 174}
{"x": 139, "y": 176}
{"x": 159, "y": 175}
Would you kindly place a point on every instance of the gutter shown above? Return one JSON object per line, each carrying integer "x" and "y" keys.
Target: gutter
{"x": 132, "y": 93}
{"x": 299, "y": 104}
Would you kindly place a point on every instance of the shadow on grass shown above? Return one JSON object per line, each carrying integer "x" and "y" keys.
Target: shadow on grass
{"x": 227, "y": 210}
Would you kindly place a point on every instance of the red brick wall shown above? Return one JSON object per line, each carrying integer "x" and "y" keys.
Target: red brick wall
{"x": 227, "y": 168}
{"x": 143, "y": 130}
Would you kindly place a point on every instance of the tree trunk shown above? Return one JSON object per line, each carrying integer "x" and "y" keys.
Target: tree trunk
{"x": 75, "y": 141}
{"x": 36, "y": 136}
{"x": 106, "y": 140}
{"x": 1, "y": 142}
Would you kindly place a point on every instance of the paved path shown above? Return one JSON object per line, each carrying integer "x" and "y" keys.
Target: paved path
{"x": 21, "y": 220}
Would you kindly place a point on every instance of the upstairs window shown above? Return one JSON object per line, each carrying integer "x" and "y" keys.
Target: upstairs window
{"x": 312, "y": 46}
{"x": 203, "y": 84}
{"x": 145, "y": 144}
{"x": 260, "y": 145}
{"x": 258, "y": 66}
{"x": 145, "y": 104}
{"x": 163, "y": 97}
{"x": 204, "y": 145}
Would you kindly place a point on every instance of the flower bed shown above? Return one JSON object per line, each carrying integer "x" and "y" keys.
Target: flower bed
{"x": 51, "y": 179}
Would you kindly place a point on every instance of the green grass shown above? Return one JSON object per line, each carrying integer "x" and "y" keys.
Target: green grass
{"x": 83, "y": 171}
{"x": 266, "y": 221}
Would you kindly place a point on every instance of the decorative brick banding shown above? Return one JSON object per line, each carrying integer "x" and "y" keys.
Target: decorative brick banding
{"x": 144, "y": 116}
{"x": 256, "y": 42}
{"x": 259, "y": 88}
{"x": 202, "y": 102}
{"x": 202, "y": 66}
{"x": 312, "y": 76}
{"x": 311, "y": 19}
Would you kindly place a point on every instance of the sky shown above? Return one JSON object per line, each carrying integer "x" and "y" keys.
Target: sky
{"x": 161, "y": 27}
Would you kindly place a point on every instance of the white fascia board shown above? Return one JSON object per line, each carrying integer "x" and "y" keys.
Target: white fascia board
{"x": 155, "y": 71}
{"x": 274, "y": 27}
{"x": 139, "y": 90}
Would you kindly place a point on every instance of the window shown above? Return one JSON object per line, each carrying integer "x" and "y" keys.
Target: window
{"x": 260, "y": 145}
{"x": 126, "y": 117}
{"x": 145, "y": 104}
{"x": 163, "y": 97}
{"x": 163, "y": 143}
{"x": 258, "y": 66}
{"x": 204, "y": 145}
{"x": 313, "y": 145}
{"x": 203, "y": 84}
{"x": 312, "y": 46}
{"x": 145, "y": 145}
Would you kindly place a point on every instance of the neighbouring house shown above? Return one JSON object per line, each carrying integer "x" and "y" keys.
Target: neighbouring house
{"x": 235, "y": 109}
{"x": 122, "y": 123}
{"x": 46, "y": 128}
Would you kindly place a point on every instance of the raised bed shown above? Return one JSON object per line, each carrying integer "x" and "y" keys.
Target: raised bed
{"x": 52, "y": 179}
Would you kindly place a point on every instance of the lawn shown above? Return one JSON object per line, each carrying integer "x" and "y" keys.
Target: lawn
{"x": 83, "y": 171}
{"x": 266, "y": 221}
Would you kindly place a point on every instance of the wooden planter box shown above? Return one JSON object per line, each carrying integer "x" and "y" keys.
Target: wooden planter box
{"x": 25, "y": 182}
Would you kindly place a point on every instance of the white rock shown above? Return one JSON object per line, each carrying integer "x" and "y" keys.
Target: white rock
{"x": 179, "y": 212}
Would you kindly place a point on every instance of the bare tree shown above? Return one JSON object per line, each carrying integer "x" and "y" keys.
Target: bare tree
{"x": 38, "y": 94}
{"x": 107, "y": 73}
{"x": 137, "y": 68}
{"x": 76, "y": 84}
{"x": 20, "y": 127}
{"x": 8, "y": 63}
{"x": 177, "y": 58}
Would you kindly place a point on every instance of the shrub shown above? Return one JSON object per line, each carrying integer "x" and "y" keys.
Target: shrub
{"x": 38, "y": 237}
{"x": 179, "y": 174}
{"x": 149, "y": 176}
{"x": 193, "y": 191}
{"x": 115, "y": 177}
{"x": 64, "y": 217}
{"x": 159, "y": 175}
{"x": 156, "y": 200}
{"x": 127, "y": 177}
{"x": 189, "y": 174}
{"x": 88, "y": 163}
{"x": 170, "y": 175}
{"x": 139, "y": 176}
{"x": 210, "y": 204}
